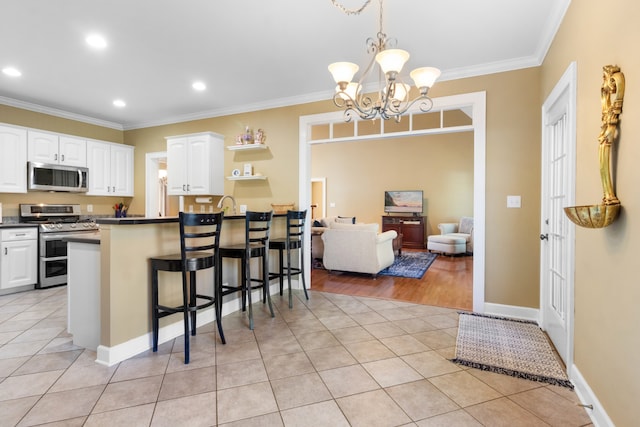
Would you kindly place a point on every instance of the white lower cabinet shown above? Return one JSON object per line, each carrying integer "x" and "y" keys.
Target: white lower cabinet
{"x": 110, "y": 169}
{"x": 18, "y": 257}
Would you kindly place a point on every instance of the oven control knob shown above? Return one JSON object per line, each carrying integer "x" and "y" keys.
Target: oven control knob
{"x": 59, "y": 225}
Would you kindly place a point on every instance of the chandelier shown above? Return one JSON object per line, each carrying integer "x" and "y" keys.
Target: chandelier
{"x": 392, "y": 96}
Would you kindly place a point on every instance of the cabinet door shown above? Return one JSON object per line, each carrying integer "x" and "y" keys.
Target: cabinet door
{"x": 413, "y": 235}
{"x": 13, "y": 160}
{"x": 198, "y": 166}
{"x": 205, "y": 164}
{"x": 72, "y": 151}
{"x": 99, "y": 164}
{"x": 392, "y": 226}
{"x": 43, "y": 147}
{"x": 19, "y": 264}
{"x": 121, "y": 170}
{"x": 177, "y": 166}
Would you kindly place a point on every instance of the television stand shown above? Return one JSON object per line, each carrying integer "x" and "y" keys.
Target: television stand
{"x": 413, "y": 229}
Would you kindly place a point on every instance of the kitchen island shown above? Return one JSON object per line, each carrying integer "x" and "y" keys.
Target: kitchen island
{"x": 126, "y": 244}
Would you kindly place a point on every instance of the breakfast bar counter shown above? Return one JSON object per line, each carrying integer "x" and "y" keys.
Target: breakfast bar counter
{"x": 126, "y": 244}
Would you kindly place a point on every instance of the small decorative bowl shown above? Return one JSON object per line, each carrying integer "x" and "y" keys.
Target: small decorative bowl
{"x": 282, "y": 208}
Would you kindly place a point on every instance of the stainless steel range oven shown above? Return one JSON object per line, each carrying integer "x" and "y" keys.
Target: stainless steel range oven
{"x": 56, "y": 222}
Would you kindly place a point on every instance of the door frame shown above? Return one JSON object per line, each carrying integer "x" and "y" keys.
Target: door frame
{"x": 566, "y": 87}
{"x": 475, "y": 105}
{"x": 323, "y": 182}
{"x": 152, "y": 166}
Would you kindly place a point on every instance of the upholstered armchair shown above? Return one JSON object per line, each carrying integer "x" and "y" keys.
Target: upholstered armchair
{"x": 357, "y": 248}
{"x": 454, "y": 238}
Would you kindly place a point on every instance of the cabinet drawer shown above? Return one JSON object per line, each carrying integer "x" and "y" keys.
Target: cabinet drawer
{"x": 13, "y": 234}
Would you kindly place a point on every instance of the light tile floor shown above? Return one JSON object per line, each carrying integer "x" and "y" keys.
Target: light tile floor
{"x": 335, "y": 360}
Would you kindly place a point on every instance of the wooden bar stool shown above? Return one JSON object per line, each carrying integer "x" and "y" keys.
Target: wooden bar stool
{"x": 199, "y": 250}
{"x": 256, "y": 245}
{"x": 294, "y": 240}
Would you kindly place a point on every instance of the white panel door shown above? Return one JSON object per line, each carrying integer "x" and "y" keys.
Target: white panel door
{"x": 557, "y": 232}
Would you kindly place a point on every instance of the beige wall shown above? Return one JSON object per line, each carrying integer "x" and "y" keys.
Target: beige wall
{"x": 607, "y": 291}
{"x": 358, "y": 173}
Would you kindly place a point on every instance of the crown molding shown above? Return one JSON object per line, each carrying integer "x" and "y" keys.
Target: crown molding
{"x": 59, "y": 113}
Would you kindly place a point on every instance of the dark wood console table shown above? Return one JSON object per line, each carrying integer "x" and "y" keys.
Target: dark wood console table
{"x": 412, "y": 228}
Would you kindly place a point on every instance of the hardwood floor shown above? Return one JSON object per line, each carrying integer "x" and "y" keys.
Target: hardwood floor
{"x": 447, "y": 283}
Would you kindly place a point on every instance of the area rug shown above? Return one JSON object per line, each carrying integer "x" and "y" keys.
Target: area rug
{"x": 410, "y": 264}
{"x": 508, "y": 346}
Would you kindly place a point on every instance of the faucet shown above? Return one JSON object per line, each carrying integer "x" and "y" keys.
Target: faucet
{"x": 232, "y": 200}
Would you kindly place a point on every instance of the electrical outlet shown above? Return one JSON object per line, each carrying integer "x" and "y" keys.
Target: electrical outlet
{"x": 332, "y": 205}
{"x": 243, "y": 209}
{"x": 89, "y": 208}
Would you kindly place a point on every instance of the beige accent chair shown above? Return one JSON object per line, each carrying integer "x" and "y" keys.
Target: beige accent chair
{"x": 357, "y": 248}
{"x": 454, "y": 238}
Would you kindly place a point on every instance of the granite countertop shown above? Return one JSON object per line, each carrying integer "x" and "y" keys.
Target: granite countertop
{"x": 162, "y": 220}
{"x": 16, "y": 225}
{"x": 136, "y": 220}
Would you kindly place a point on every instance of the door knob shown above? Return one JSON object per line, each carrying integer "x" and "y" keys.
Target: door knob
{"x": 544, "y": 237}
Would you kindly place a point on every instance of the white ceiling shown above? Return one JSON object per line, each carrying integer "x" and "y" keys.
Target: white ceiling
{"x": 252, "y": 54}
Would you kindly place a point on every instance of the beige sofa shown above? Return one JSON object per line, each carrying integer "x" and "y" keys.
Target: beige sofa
{"x": 357, "y": 248}
{"x": 319, "y": 226}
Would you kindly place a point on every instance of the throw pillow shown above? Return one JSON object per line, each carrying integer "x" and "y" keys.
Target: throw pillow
{"x": 346, "y": 219}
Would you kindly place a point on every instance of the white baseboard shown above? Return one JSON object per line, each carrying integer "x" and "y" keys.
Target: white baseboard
{"x": 598, "y": 415}
{"x": 111, "y": 355}
{"x": 525, "y": 313}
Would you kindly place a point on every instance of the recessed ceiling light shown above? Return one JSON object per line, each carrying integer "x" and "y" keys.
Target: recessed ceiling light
{"x": 97, "y": 41}
{"x": 10, "y": 71}
{"x": 199, "y": 86}
{"x": 119, "y": 103}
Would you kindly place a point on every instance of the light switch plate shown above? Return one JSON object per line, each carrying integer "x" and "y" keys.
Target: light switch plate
{"x": 514, "y": 201}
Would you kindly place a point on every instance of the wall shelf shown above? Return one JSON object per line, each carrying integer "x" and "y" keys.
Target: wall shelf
{"x": 246, "y": 178}
{"x": 247, "y": 147}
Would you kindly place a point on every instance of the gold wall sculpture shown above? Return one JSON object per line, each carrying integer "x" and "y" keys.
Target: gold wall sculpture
{"x": 611, "y": 97}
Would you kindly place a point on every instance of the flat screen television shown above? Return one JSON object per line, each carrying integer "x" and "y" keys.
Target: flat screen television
{"x": 403, "y": 201}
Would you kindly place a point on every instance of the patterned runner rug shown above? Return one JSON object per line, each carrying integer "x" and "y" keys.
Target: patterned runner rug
{"x": 508, "y": 346}
{"x": 410, "y": 264}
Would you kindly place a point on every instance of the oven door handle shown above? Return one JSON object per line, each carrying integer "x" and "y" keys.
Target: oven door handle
{"x": 54, "y": 236}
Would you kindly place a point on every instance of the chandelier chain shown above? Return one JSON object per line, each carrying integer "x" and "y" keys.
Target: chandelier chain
{"x": 351, "y": 11}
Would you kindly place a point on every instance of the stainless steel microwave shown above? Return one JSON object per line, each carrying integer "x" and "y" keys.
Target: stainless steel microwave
{"x": 46, "y": 177}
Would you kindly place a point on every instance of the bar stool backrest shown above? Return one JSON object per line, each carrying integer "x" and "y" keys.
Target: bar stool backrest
{"x": 258, "y": 228}
{"x": 199, "y": 233}
{"x": 295, "y": 225}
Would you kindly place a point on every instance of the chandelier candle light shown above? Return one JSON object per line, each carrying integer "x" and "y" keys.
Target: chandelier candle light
{"x": 392, "y": 100}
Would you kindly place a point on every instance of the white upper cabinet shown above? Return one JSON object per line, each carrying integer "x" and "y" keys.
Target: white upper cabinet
{"x": 110, "y": 169}
{"x": 45, "y": 147}
{"x": 13, "y": 159}
{"x": 195, "y": 164}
